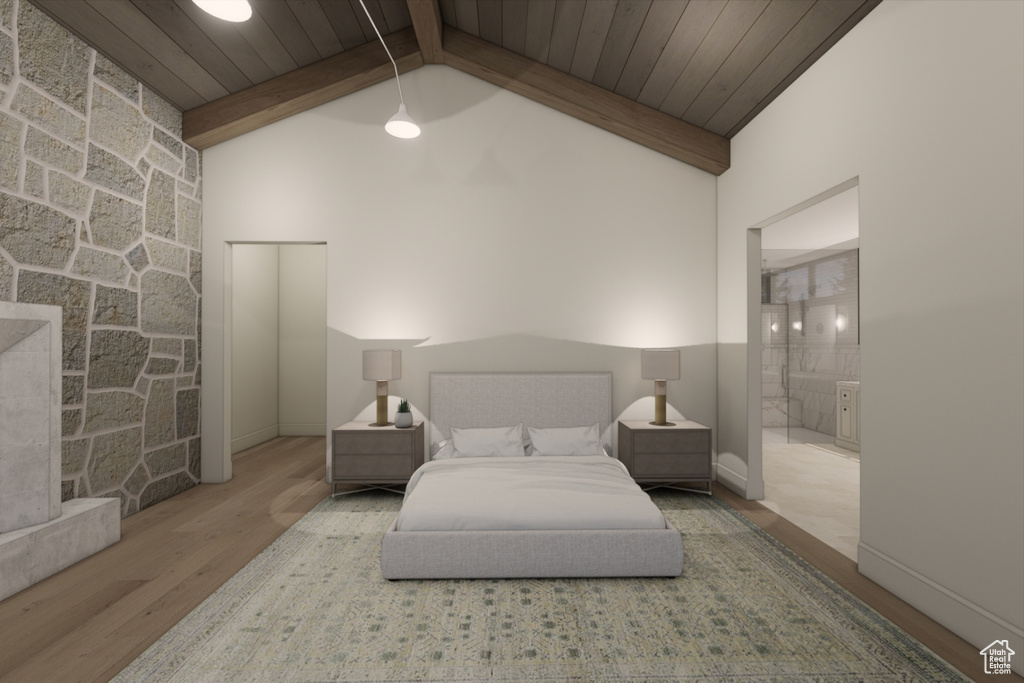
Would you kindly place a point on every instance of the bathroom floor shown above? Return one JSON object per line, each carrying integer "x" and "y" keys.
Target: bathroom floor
{"x": 800, "y": 435}
{"x": 814, "y": 484}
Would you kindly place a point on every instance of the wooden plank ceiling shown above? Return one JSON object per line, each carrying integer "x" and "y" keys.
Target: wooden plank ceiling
{"x": 679, "y": 76}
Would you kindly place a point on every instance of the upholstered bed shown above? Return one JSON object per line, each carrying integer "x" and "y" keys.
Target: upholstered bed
{"x": 537, "y": 515}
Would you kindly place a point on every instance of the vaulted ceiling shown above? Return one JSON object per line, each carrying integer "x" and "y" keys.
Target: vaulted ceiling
{"x": 679, "y": 76}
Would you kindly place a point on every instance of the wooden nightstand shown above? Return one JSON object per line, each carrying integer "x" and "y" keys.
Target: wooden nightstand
{"x": 375, "y": 457}
{"x": 668, "y": 455}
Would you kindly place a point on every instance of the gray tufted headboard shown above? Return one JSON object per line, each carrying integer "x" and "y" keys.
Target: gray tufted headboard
{"x": 537, "y": 399}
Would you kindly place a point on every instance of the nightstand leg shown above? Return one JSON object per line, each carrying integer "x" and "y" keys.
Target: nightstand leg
{"x": 679, "y": 488}
{"x": 335, "y": 492}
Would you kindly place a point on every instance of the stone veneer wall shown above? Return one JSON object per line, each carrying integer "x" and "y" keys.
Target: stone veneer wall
{"x": 100, "y": 205}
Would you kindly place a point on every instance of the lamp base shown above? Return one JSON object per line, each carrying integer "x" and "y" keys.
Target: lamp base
{"x": 382, "y": 405}
{"x": 660, "y": 404}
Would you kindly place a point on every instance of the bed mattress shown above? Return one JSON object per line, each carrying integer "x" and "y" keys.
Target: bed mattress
{"x": 587, "y": 492}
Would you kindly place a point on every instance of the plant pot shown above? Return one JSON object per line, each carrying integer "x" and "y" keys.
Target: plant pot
{"x": 403, "y": 419}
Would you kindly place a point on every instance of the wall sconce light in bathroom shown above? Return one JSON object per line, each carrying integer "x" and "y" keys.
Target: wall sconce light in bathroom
{"x": 841, "y": 322}
{"x": 798, "y": 326}
{"x": 775, "y": 327}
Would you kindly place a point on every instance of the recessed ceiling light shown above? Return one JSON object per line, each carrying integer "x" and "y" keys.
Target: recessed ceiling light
{"x": 228, "y": 10}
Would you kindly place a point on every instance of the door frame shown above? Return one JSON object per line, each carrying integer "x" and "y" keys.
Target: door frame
{"x": 225, "y": 470}
{"x": 755, "y": 478}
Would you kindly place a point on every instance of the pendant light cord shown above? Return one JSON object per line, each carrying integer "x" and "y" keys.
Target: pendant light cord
{"x": 397, "y": 80}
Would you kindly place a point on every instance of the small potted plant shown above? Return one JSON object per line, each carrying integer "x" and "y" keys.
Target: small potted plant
{"x": 403, "y": 418}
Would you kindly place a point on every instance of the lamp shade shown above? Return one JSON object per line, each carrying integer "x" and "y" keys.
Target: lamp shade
{"x": 382, "y": 365}
{"x": 659, "y": 364}
{"x": 401, "y": 124}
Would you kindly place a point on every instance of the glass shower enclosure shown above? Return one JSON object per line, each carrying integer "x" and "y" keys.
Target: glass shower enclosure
{"x": 810, "y": 339}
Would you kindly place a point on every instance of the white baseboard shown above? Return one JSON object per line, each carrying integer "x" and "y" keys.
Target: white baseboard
{"x": 971, "y": 622}
{"x": 734, "y": 481}
{"x": 302, "y": 429}
{"x": 254, "y": 438}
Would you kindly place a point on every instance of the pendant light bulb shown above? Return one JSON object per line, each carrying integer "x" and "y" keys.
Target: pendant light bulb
{"x": 228, "y": 10}
{"x": 401, "y": 124}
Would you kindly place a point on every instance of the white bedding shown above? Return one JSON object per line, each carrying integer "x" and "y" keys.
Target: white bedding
{"x": 502, "y": 493}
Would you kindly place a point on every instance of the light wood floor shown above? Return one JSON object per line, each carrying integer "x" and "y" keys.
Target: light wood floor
{"x": 89, "y": 621}
{"x": 841, "y": 569}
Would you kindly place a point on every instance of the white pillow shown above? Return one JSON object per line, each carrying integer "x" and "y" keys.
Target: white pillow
{"x": 445, "y": 450}
{"x": 488, "y": 441}
{"x": 567, "y": 440}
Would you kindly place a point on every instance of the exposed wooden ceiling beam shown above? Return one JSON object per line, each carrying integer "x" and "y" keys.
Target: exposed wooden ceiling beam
{"x": 426, "y": 20}
{"x": 295, "y": 92}
{"x": 368, "y": 64}
{"x": 587, "y": 102}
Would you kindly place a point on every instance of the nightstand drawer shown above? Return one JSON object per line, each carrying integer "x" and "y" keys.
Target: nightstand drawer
{"x": 671, "y": 465}
{"x": 365, "y": 442}
{"x": 376, "y": 467}
{"x": 366, "y": 455}
{"x": 691, "y": 441}
{"x": 667, "y": 455}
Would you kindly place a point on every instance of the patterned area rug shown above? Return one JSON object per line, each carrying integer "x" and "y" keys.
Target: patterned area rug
{"x": 313, "y": 607}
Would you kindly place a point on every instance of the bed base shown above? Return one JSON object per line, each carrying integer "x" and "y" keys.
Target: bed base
{"x": 567, "y": 399}
{"x": 531, "y": 554}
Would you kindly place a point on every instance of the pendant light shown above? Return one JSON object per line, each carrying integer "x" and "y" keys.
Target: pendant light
{"x": 401, "y": 124}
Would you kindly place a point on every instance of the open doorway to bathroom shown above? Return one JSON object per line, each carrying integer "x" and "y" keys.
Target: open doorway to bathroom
{"x": 810, "y": 368}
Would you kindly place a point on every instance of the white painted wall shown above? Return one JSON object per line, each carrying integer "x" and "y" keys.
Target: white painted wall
{"x": 302, "y": 336}
{"x": 255, "y": 349}
{"x": 507, "y": 237}
{"x": 924, "y": 101}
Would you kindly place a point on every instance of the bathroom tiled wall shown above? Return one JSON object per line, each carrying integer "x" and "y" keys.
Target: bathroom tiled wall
{"x": 822, "y": 311}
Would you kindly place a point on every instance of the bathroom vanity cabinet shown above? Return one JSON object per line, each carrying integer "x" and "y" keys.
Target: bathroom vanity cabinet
{"x": 848, "y": 415}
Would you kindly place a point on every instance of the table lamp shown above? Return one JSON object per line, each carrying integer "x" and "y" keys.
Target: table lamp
{"x": 659, "y": 365}
{"x": 380, "y": 365}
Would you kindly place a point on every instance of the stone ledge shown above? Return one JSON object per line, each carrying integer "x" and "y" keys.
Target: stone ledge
{"x": 29, "y": 555}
